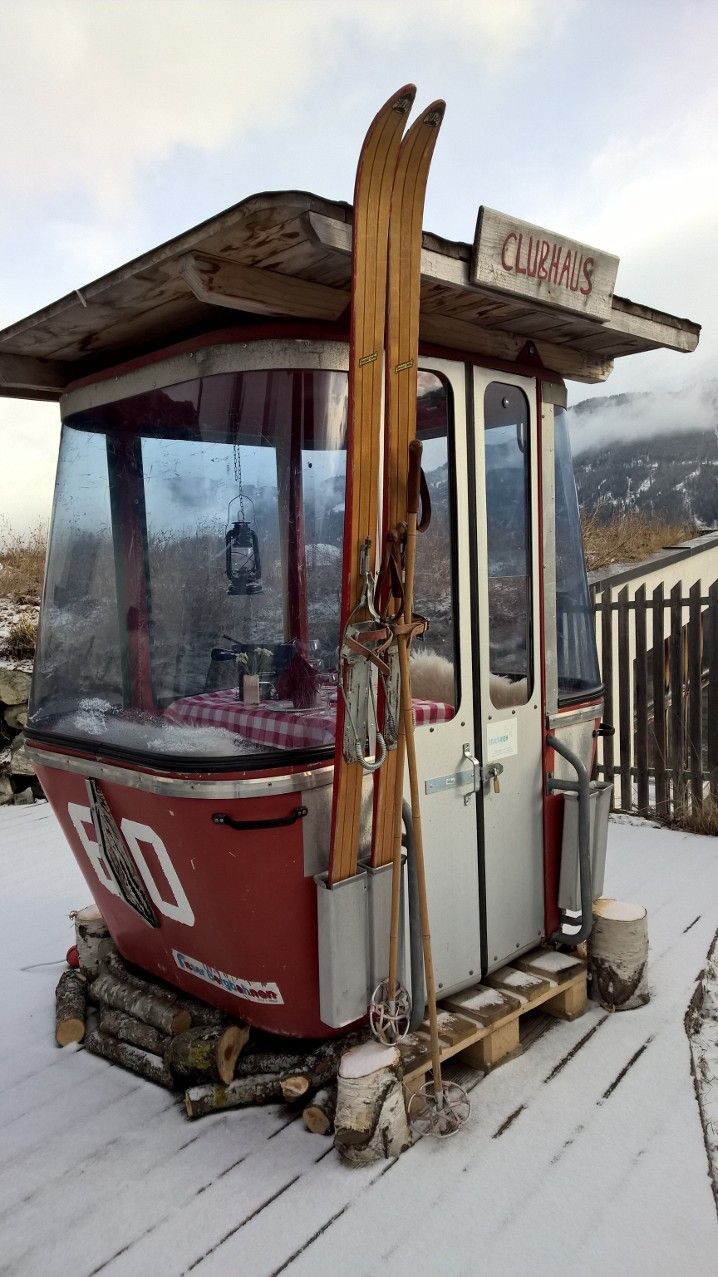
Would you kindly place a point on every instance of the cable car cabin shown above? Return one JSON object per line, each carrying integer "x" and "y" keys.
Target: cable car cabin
{"x": 186, "y": 684}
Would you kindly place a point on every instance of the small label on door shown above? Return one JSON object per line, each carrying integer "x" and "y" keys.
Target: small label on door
{"x": 501, "y": 740}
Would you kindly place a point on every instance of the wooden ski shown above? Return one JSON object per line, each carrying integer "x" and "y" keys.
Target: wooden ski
{"x": 402, "y": 352}
{"x": 370, "y": 242}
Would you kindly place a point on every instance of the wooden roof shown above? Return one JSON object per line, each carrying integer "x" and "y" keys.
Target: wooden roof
{"x": 287, "y": 254}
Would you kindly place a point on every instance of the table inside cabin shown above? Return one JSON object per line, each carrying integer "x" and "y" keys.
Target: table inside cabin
{"x": 277, "y": 724}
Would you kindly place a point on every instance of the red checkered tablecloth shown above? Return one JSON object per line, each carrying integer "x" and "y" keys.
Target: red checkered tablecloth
{"x": 277, "y": 724}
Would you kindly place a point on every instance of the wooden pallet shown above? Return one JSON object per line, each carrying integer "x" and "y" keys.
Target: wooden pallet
{"x": 480, "y": 1025}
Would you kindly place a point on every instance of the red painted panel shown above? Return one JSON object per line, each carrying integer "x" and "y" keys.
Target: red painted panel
{"x": 241, "y": 911}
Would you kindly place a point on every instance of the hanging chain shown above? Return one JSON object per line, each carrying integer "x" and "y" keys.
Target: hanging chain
{"x": 238, "y": 479}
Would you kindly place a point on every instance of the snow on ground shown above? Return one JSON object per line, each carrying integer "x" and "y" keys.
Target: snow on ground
{"x": 702, "y": 1026}
{"x": 587, "y": 1150}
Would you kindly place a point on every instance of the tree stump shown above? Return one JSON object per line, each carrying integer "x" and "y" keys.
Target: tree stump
{"x": 370, "y": 1121}
{"x": 618, "y": 955}
{"x": 70, "y": 1008}
{"x": 91, "y": 933}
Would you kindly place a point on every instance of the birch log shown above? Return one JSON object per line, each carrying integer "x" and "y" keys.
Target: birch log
{"x": 370, "y": 1121}
{"x": 618, "y": 955}
{"x": 114, "y": 964}
{"x": 318, "y": 1115}
{"x": 207, "y": 1050}
{"x": 92, "y": 936}
{"x": 117, "y": 1024}
{"x": 253, "y": 1063}
{"x": 300, "y": 1071}
{"x": 316, "y": 1069}
{"x": 131, "y": 1058}
{"x": 70, "y": 1008}
{"x": 161, "y": 1014}
{"x": 201, "y": 1012}
{"x": 243, "y": 1092}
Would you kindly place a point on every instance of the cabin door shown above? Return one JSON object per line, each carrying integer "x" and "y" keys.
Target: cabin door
{"x": 442, "y": 679}
{"x": 507, "y": 643}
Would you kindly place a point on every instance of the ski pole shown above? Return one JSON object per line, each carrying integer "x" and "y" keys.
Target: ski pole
{"x": 407, "y": 712}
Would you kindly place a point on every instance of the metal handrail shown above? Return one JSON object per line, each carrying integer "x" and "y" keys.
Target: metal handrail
{"x": 582, "y": 787}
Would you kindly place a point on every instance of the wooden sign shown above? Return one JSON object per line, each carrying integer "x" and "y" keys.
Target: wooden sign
{"x": 531, "y": 262}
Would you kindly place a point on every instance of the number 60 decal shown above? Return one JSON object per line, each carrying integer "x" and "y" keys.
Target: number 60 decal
{"x": 135, "y": 836}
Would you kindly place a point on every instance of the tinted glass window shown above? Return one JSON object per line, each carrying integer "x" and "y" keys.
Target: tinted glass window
{"x": 194, "y": 571}
{"x": 197, "y": 541}
{"x": 435, "y": 673}
{"x": 578, "y": 670}
{"x": 507, "y": 452}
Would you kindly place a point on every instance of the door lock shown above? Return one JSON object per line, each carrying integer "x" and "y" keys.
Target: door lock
{"x": 493, "y": 771}
{"x": 475, "y": 780}
{"x": 485, "y": 774}
{"x": 490, "y": 774}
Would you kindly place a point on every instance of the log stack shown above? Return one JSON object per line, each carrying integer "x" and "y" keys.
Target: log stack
{"x": 131, "y": 1020}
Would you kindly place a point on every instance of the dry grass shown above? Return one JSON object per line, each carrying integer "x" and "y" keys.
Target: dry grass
{"x": 699, "y": 820}
{"x": 21, "y": 639}
{"x": 628, "y": 537}
{"x": 22, "y": 561}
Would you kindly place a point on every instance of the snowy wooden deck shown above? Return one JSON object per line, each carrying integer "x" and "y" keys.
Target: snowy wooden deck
{"x": 586, "y": 1151}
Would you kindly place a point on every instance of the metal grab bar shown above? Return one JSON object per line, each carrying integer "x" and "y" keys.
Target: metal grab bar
{"x": 582, "y": 788}
{"x": 278, "y": 822}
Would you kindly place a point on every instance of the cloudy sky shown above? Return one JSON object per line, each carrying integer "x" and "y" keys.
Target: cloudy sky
{"x": 123, "y": 123}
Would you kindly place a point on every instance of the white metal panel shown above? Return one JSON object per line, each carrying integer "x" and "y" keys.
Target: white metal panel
{"x": 513, "y": 818}
{"x": 449, "y": 824}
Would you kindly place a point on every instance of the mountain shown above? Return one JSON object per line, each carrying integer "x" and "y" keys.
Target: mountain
{"x": 653, "y": 453}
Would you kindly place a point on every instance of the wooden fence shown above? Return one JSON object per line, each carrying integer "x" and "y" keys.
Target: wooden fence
{"x": 659, "y": 657}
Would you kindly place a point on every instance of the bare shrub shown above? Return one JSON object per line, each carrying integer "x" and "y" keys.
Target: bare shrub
{"x": 21, "y": 639}
{"x": 698, "y": 820}
{"x": 627, "y": 537}
{"x": 22, "y": 560}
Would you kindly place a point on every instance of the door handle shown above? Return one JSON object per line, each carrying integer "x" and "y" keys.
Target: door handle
{"x": 487, "y": 774}
{"x": 476, "y": 780}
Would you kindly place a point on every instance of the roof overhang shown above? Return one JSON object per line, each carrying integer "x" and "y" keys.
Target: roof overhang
{"x": 288, "y": 255}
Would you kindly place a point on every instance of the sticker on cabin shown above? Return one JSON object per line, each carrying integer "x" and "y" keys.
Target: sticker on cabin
{"x": 543, "y": 266}
{"x": 501, "y": 740}
{"x": 266, "y": 993}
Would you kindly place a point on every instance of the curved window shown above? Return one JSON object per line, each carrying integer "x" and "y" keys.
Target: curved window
{"x": 195, "y": 553}
{"x": 579, "y": 676}
{"x": 192, "y": 593}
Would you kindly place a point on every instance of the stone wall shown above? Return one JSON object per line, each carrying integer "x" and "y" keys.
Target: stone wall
{"x": 18, "y": 783}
